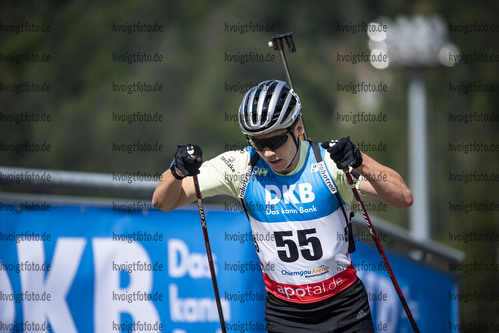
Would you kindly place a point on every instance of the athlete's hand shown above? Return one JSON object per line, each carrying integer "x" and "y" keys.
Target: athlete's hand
{"x": 344, "y": 153}
{"x": 188, "y": 159}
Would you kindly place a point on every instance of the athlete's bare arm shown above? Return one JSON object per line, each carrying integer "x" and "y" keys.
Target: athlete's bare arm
{"x": 384, "y": 184}
{"x": 171, "y": 193}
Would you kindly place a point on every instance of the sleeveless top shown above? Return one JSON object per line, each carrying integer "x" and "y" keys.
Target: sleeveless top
{"x": 300, "y": 232}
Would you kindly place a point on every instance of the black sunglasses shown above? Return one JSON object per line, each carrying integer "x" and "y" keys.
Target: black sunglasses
{"x": 273, "y": 143}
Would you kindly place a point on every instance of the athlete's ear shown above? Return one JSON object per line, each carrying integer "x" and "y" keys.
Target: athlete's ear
{"x": 299, "y": 129}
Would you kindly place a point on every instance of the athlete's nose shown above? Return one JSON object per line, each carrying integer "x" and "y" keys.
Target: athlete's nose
{"x": 268, "y": 153}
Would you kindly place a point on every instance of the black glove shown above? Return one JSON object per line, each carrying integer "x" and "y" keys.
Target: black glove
{"x": 344, "y": 153}
{"x": 184, "y": 163}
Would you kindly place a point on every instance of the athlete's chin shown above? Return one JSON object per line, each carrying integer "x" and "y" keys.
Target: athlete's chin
{"x": 278, "y": 165}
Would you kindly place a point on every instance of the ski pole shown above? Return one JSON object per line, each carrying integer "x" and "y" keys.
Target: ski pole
{"x": 277, "y": 44}
{"x": 208, "y": 250}
{"x": 380, "y": 250}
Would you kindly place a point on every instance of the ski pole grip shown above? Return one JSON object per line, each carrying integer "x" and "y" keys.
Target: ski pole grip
{"x": 277, "y": 42}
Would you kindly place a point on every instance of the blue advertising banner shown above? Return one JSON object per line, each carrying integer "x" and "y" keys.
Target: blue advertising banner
{"x": 122, "y": 269}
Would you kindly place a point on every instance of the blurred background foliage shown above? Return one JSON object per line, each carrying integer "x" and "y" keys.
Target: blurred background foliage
{"x": 197, "y": 106}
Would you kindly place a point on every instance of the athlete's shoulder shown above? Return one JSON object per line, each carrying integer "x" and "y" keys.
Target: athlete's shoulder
{"x": 232, "y": 161}
{"x": 222, "y": 173}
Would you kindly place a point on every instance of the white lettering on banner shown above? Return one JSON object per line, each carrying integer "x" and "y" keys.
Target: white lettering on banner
{"x": 8, "y": 313}
{"x": 273, "y": 194}
{"x": 182, "y": 262}
{"x": 106, "y": 311}
{"x": 57, "y": 282}
{"x": 195, "y": 309}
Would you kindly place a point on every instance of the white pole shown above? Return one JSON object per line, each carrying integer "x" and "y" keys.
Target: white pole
{"x": 418, "y": 166}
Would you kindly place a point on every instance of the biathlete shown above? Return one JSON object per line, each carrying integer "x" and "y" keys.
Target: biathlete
{"x": 293, "y": 190}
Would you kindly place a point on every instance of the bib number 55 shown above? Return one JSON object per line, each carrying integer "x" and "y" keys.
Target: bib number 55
{"x": 308, "y": 245}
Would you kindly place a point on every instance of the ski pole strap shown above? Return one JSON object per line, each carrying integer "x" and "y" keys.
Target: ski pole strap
{"x": 355, "y": 174}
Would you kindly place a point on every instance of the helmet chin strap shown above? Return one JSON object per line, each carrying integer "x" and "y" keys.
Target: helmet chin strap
{"x": 297, "y": 143}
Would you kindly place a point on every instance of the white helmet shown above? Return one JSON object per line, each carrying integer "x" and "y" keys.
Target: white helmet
{"x": 269, "y": 106}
